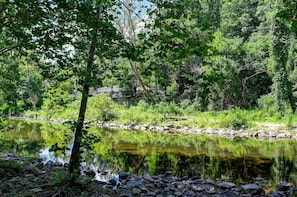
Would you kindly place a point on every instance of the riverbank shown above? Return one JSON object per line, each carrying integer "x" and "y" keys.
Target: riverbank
{"x": 31, "y": 177}
{"x": 269, "y": 131}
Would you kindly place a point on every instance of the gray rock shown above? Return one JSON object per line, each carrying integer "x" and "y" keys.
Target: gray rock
{"x": 226, "y": 185}
{"x": 126, "y": 193}
{"x": 252, "y": 189}
{"x": 178, "y": 193}
{"x": 210, "y": 181}
{"x": 136, "y": 192}
{"x": 166, "y": 189}
{"x": 284, "y": 135}
{"x": 275, "y": 195}
{"x": 151, "y": 194}
{"x": 124, "y": 175}
{"x": 195, "y": 177}
{"x": 283, "y": 186}
{"x": 168, "y": 173}
{"x": 36, "y": 190}
{"x": 132, "y": 184}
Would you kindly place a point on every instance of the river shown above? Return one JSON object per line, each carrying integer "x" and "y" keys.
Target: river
{"x": 109, "y": 151}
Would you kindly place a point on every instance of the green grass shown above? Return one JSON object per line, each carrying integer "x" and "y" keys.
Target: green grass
{"x": 104, "y": 109}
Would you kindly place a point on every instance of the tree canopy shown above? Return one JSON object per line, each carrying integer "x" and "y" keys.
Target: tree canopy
{"x": 211, "y": 54}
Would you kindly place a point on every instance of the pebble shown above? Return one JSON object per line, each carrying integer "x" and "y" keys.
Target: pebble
{"x": 165, "y": 185}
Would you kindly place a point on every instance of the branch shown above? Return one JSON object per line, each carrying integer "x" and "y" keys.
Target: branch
{"x": 5, "y": 50}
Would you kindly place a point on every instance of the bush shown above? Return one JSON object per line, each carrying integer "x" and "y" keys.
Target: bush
{"x": 267, "y": 104}
{"x": 234, "y": 119}
{"x": 100, "y": 107}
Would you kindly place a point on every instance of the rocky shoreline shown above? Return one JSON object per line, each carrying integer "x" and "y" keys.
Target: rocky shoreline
{"x": 269, "y": 131}
{"x": 39, "y": 179}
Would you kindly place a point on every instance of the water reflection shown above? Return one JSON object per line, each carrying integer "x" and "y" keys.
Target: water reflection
{"x": 155, "y": 153}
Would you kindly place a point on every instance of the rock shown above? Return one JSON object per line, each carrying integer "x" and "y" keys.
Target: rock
{"x": 89, "y": 173}
{"x": 283, "y": 186}
{"x": 132, "y": 184}
{"x": 166, "y": 189}
{"x": 124, "y": 175}
{"x": 275, "y": 195}
{"x": 112, "y": 182}
{"x": 168, "y": 173}
{"x": 136, "y": 192}
{"x": 178, "y": 193}
{"x": 195, "y": 178}
{"x": 252, "y": 189}
{"x": 226, "y": 185}
{"x": 148, "y": 178}
{"x": 284, "y": 135}
{"x": 15, "y": 179}
{"x": 151, "y": 193}
{"x": 126, "y": 193}
{"x": 36, "y": 190}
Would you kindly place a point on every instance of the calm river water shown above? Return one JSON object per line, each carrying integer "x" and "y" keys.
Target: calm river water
{"x": 239, "y": 161}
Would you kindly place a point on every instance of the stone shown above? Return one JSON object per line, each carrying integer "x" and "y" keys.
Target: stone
{"x": 178, "y": 193}
{"x": 210, "y": 181}
{"x": 126, "y": 193}
{"x": 198, "y": 188}
{"x": 195, "y": 178}
{"x": 226, "y": 185}
{"x": 151, "y": 194}
{"x": 36, "y": 190}
{"x": 136, "y": 191}
{"x": 90, "y": 173}
{"x": 252, "y": 189}
{"x": 283, "y": 186}
{"x": 132, "y": 184}
{"x": 275, "y": 195}
{"x": 168, "y": 173}
{"x": 112, "y": 182}
{"x": 166, "y": 189}
{"x": 15, "y": 179}
{"x": 124, "y": 175}
{"x": 148, "y": 178}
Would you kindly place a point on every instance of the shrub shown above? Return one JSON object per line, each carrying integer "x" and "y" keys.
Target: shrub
{"x": 100, "y": 107}
{"x": 235, "y": 119}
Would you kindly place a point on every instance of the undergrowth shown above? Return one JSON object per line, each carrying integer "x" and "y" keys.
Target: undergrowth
{"x": 102, "y": 108}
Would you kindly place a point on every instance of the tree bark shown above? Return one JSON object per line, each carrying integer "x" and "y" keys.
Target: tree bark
{"x": 75, "y": 154}
{"x": 146, "y": 92}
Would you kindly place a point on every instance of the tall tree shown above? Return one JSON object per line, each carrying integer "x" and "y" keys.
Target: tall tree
{"x": 281, "y": 47}
{"x": 81, "y": 35}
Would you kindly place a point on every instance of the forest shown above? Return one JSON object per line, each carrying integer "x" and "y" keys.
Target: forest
{"x": 176, "y": 57}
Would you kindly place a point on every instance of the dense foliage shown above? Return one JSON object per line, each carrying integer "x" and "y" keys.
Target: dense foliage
{"x": 210, "y": 55}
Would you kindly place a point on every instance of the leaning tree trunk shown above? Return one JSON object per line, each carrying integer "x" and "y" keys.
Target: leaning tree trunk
{"x": 137, "y": 75}
{"x": 75, "y": 154}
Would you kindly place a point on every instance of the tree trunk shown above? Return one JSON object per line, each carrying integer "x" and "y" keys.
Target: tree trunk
{"x": 75, "y": 154}
{"x": 146, "y": 92}
{"x": 74, "y": 159}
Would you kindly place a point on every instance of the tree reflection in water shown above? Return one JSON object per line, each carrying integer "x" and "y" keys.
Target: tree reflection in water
{"x": 239, "y": 161}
